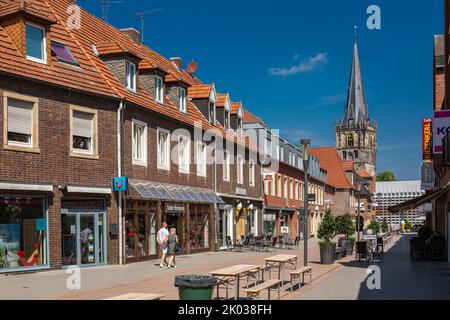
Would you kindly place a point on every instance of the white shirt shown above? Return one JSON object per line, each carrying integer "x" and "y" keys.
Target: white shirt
{"x": 163, "y": 233}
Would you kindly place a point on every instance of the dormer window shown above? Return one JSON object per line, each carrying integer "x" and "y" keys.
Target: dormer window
{"x": 239, "y": 127}
{"x": 183, "y": 100}
{"x": 131, "y": 76}
{"x": 212, "y": 112}
{"x": 35, "y": 43}
{"x": 226, "y": 120}
{"x": 62, "y": 53}
{"x": 159, "y": 87}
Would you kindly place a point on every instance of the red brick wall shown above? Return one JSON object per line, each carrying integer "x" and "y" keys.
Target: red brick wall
{"x": 53, "y": 164}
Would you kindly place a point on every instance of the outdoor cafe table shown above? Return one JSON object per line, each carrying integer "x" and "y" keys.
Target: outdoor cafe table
{"x": 279, "y": 262}
{"x": 232, "y": 274}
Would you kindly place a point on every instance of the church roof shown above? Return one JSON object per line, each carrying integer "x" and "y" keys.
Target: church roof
{"x": 356, "y": 110}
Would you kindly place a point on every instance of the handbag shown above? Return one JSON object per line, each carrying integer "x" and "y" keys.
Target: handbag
{"x": 176, "y": 249}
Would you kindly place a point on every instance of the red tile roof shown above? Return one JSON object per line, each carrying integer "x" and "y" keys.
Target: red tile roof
{"x": 36, "y": 8}
{"x": 332, "y": 163}
{"x": 221, "y": 99}
{"x": 363, "y": 174}
{"x": 348, "y": 165}
{"x": 235, "y": 107}
{"x": 200, "y": 91}
{"x": 93, "y": 75}
{"x": 251, "y": 118}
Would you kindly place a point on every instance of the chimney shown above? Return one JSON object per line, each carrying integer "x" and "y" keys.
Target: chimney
{"x": 178, "y": 62}
{"x": 133, "y": 34}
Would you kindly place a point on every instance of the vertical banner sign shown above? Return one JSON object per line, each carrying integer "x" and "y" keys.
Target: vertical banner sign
{"x": 441, "y": 126}
{"x": 427, "y": 139}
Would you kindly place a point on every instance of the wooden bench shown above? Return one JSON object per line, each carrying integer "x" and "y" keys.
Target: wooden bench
{"x": 253, "y": 293}
{"x": 255, "y": 274}
{"x": 138, "y": 296}
{"x": 300, "y": 272}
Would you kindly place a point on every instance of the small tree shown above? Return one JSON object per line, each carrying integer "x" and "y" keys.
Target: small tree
{"x": 327, "y": 228}
{"x": 345, "y": 225}
{"x": 408, "y": 225}
{"x": 384, "y": 226}
{"x": 374, "y": 225}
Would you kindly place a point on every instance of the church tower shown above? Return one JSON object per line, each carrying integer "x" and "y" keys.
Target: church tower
{"x": 356, "y": 134}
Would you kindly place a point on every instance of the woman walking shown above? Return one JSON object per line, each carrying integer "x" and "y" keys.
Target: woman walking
{"x": 172, "y": 244}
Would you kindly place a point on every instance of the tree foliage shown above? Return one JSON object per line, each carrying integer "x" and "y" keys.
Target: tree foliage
{"x": 408, "y": 225}
{"x": 386, "y": 176}
{"x": 374, "y": 225}
{"x": 327, "y": 228}
{"x": 384, "y": 226}
{"x": 345, "y": 225}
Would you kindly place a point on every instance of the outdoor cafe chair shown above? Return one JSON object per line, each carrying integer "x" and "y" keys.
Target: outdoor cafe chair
{"x": 362, "y": 251}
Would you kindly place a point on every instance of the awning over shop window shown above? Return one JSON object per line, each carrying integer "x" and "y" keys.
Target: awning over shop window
{"x": 88, "y": 189}
{"x": 417, "y": 202}
{"x": 26, "y": 186}
{"x": 166, "y": 192}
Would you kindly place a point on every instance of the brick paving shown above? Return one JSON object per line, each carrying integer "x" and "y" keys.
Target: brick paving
{"x": 401, "y": 279}
{"x": 103, "y": 282}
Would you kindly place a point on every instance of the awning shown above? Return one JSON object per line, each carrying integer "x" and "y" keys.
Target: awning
{"x": 88, "y": 189}
{"x": 417, "y": 202}
{"x": 159, "y": 191}
{"x": 26, "y": 186}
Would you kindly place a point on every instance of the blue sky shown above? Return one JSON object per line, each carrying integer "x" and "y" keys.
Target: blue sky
{"x": 241, "y": 47}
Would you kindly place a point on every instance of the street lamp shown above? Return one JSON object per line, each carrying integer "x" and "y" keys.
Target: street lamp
{"x": 305, "y": 143}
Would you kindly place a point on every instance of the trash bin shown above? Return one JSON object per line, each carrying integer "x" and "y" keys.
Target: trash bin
{"x": 195, "y": 287}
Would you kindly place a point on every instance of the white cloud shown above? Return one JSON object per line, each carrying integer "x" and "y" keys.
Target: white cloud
{"x": 307, "y": 65}
{"x": 326, "y": 101}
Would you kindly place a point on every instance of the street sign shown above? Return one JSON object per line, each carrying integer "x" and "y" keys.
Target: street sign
{"x": 369, "y": 234}
{"x": 120, "y": 184}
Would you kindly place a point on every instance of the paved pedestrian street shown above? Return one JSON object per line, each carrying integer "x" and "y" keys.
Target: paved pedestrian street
{"x": 400, "y": 278}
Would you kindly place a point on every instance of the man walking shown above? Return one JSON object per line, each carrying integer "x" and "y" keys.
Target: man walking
{"x": 162, "y": 238}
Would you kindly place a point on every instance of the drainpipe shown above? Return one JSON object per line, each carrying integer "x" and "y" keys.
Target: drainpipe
{"x": 122, "y": 106}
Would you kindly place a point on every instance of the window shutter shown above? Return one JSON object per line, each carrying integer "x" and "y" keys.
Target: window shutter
{"x": 82, "y": 124}
{"x": 20, "y": 116}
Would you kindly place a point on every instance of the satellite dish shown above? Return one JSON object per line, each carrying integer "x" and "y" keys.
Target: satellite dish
{"x": 192, "y": 67}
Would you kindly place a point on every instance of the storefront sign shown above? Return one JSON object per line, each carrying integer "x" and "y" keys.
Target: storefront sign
{"x": 241, "y": 191}
{"x": 82, "y": 204}
{"x": 285, "y": 230}
{"x": 175, "y": 208}
{"x": 120, "y": 184}
{"x": 268, "y": 176}
{"x": 427, "y": 176}
{"x": 427, "y": 139}
{"x": 41, "y": 224}
{"x": 441, "y": 126}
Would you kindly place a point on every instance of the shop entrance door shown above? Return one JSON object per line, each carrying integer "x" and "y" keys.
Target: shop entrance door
{"x": 82, "y": 242}
{"x": 175, "y": 220}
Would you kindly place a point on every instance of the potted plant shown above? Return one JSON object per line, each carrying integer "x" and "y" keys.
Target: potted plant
{"x": 326, "y": 231}
{"x": 345, "y": 226}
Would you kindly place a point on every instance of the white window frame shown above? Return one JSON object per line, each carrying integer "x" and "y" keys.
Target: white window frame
{"x": 183, "y": 99}
{"x": 226, "y": 173}
{"x": 286, "y": 186}
{"x": 251, "y": 173}
{"x": 144, "y": 160}
{"x": 160, "y": 165}
{"x": 159, "y": 90}
{"x": 181, "y": 163}
{"x": 44, "y": 44}
{"x": 213, "y": 115}
{"x": 131, "y": 78}
{"x": 240, "y": 170}
{"x": 93, "y": 153}
{"x": 33, "y": 146}
{"x": 279, "y": 186}
{"x": 201, "y": 170}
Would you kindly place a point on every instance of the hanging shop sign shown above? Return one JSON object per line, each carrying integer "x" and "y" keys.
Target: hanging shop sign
{"x": 427, "y": 176}
{"x": 268, "y": 176}
{"x": 441, "y": 126}
{"x": 174, "y": 208}
{"x": 427, "y": 139}
{"x": 120, "y": 184}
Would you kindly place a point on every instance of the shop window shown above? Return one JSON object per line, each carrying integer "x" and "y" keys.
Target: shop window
{"x": 240, "y": 170}
{"x": 83, "y": 131}
{"x": 226, "y": 166}
{"x": 251, "y": 173}
{"x": 23, "y": 233}
{"x": 159, "y": 87}
{"x": 131, "y": 76}
{"x": 201, "y": 159}
{"x": 20, "y": 122}
{"x": 163, "y": 152}
{"x": 183, "y": 154}
{"x": 35, "y": 42}
{"x": 139, "y": 143}
{"x": 269, "y": 224}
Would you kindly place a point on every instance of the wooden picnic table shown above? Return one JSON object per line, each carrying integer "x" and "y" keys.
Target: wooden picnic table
{"x": 138, "y": 296}
{"x": 279, "y": 262}
{"x": 232, "y": 274}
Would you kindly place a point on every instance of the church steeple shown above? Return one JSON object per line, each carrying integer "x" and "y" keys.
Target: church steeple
{"x": 356, "y": 135}
{"x": 356, "y": 110}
